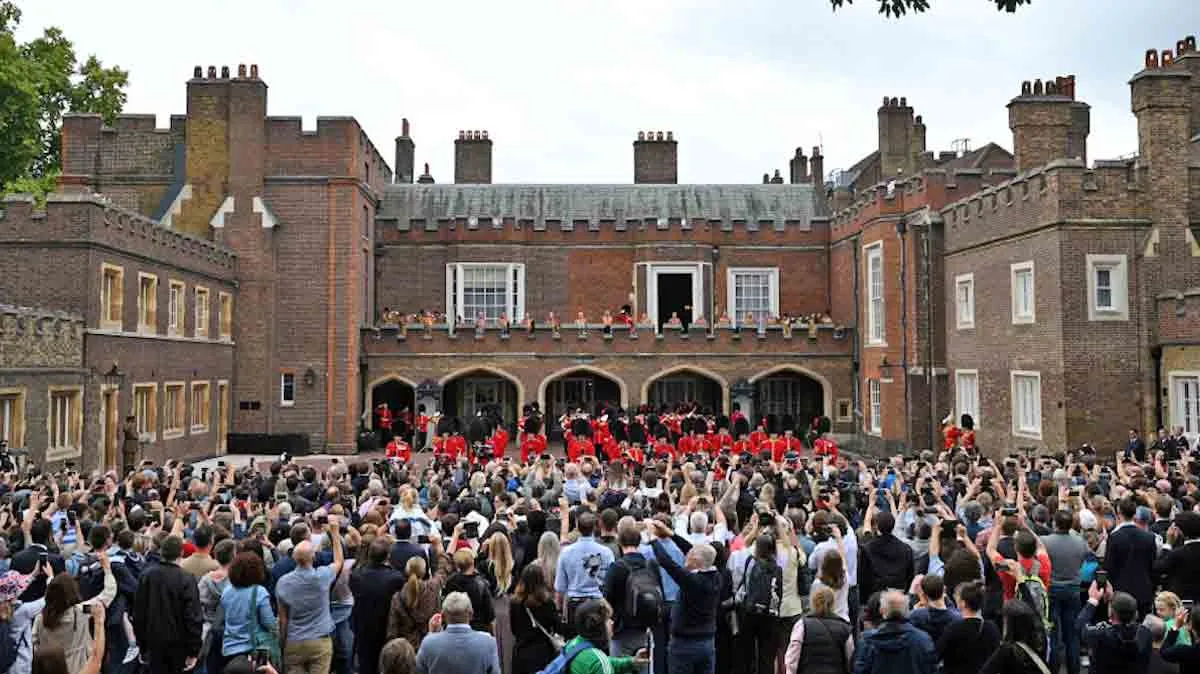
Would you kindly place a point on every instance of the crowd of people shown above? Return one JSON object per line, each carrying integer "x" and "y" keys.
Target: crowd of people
{"x": 670, "y": 541}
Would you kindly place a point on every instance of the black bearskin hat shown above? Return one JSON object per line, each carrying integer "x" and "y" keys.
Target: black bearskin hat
{"x": 445, "y": 426}
{"x": 788, "y": 423}
{"x": 773, "y": 425}
{"x": 637, "y": 433}
{"x": 533, "y": 424}
{"x": 968, "y": 423}
{"x": 824, "y": 424}
{"x": 722, "y": 421}
{"x": 477, "y": 430}
{"x": 619, "y": 430}
{"x": 687, "y": 424}
{"x": 661, "y": 432}
{"x": 581, "y": 427}
{"x": 741, "y": 427}
{"x": 699, "y": 425}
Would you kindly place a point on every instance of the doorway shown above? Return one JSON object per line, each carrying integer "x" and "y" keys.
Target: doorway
{"x": 112, "y": 424}
{"x": 674, "y": 295}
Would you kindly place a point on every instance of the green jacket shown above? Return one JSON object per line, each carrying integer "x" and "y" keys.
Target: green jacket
{"x": 594, "y": 661}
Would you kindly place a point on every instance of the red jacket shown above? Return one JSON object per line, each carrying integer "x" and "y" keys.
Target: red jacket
{"x": 664, "y": 448}
{"x": 579, "y": 448}
{"x": 743, "y": 447}
{"x": 399, "y": 449}
{"x": 779, "y": 447}
{"x": 758, "y": 439}
{"x": 611, "y": 449}
{"x": 825, "y": 447}
{"x": 532, "y": 447}
{"x": 456, "y": 446}
{"x": 500, "y": 442}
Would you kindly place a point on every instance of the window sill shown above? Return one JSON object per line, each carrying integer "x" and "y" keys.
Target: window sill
{"x": 1032, "y": 435}
{"x": 1023, "y": 320}
{"x": 875, "y": 434}
{"x": 60, "y": 453}
{"x": 173, "y": 434}
{"x": 112, "y": 325}
{"x": 287, "y": 403}
{"x": 965, "y": 326}
{"x": 1102, "y": 315}
{"x": 875, "y": 345}
{"x": 199, "y": 430}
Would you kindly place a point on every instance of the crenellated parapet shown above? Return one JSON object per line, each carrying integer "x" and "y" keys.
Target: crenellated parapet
{"x": 40, "y": 338}
{"x": 1063, "y": 191}
{"x": 76, "y": 218}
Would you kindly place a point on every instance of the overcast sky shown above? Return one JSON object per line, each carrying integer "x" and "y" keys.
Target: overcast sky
{"x": 563, "y": 86}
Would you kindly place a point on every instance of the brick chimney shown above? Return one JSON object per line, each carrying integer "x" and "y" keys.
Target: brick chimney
{"x": 798, "y": 167}
{"x": 473, "y": 158}
{"x": 816, "y": 165}
{"x": 1162, "y": 95}
{"x": 1187, "y": 56}
{"x": 655, "y": 158}
{"x": 1048, "y": 123}
{"x": 895, "y": 137}
{"x": 405, "y": 155}
{"x": 917, "y": 147}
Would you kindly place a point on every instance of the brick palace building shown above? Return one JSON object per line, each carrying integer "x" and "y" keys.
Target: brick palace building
{"x": 238, "y": 281}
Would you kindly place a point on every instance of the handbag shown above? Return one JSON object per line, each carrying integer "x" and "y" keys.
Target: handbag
{"x": 555, "y": 640}
{"x": 262, "y": 640}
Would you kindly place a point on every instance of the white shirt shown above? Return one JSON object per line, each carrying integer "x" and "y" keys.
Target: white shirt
{"x": 851, "y": 543}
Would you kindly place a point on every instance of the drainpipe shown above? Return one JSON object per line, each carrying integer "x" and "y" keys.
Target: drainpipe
{"x": 902, "y": 230}
{"x": 1156, "y": 353}
{"x": 856, "y": 414}
{"x": 930, "y": 375}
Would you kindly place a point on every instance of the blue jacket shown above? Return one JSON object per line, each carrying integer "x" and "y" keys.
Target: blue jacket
{"x": 896, "y": 647}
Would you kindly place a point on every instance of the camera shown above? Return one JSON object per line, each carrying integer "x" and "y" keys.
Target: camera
{"x": 471, "y": 529}
{"x": 1008, "y": 511}
{"x": 422, "y": 539}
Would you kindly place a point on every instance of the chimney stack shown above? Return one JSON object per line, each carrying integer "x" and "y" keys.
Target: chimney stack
{"x": 896, "y": 137}
{"x": 473, "y": 158}
{"x": 917, "y": 150}
{"x": 1187, "y": 56}
{"x": 406, "y": 151}
{"x": 817, "y": 170}
{"x": 1048, "y": 123}
{"x": 798, "y": 166}
{"x": 655, "y": 158}
{"x": 426, "y": 178}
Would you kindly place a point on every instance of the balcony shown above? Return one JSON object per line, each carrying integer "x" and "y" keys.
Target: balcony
{"x": 414, "y": 338}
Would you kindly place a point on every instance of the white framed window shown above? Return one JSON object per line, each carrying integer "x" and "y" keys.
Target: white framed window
{"x": 202, "y": 329}
{"x": 200, "y": 406}
{"x": 875, "y": 398}
{"x": 1108, "y": 287}
{"x": 876, "y": 334}
{"x": 964, "y": 300}
{"x": 754, "y": 291}
{"x": 174, "y": 410}
{"x": 1027, "y": 403}
{"x": 474, "y": 288}
{"x": 966, "y": 393}
{"x": 145, "y": 410}
{"x": 112, "y": 297}
{"x": 1185, "y": 403}
{"x": 1023, "y": 294}
{"x": 175, "y": 307}
{"x": 64, "y": 433}
{"x": 147, "y": 303}
{"x": 287, "y": 389}
{"x": 12, "y": 416}
{"x": 225, "y": 316}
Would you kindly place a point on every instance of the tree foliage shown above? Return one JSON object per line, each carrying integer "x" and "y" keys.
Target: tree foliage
{"x": 898, "y": 8}
{"x": 40, "y": 81}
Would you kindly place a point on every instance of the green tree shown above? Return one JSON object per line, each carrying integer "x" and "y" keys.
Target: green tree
{"x": 40, "y": 81}
{"x": 898, "y": 8}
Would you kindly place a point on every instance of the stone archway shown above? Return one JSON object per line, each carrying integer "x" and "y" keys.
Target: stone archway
{"x": 687, "y": 383}
{"x": 580, "y": 386}
{"x": 400, "y": 396}
{"x": 792, "y": 391}
{"x": 469, "y": 390}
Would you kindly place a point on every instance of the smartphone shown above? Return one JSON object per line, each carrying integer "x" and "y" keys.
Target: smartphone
{"x": 194, "y": 505}
{"x": 87, "y": 609}
{"x": 422, "y": 539}
{"x": 1187, "y": 604}
{"x": 1008, "y": 512}
{"x": 43, "y": 558}
{"x": 220, "y": 464}
{"x": 1101, "y": 578}
{"x": 260, "y": 659}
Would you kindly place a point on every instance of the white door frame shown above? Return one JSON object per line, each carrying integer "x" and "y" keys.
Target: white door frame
{"x": 1177, "y": 399}
{"x": 694, "y": 269}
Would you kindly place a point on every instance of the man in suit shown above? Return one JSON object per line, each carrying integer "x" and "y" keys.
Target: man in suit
{"x": 1178, "y": 567}
{"x": 1129, "y": 558}
{"x": 373, "y": 586}
{"x": 455, "y": 648}
{"x": 405, "y": 549}
{"x": 25, "y": 561}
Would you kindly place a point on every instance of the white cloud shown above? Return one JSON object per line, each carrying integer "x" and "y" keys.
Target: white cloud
{"x": 563, "y": 87}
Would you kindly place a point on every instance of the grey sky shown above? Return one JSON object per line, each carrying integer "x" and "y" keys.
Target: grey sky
{"x": 564, "y": 86}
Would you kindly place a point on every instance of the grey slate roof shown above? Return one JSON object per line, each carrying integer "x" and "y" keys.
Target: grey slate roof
{"x": 593, "y": 203}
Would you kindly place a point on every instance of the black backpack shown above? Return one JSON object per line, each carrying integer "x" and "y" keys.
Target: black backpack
{"x": 763, "y": 583}
{"x": 90, "y": 575}
{"x": 644, "y": 602}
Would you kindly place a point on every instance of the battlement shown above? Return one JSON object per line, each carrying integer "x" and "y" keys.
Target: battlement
{"x": 1062, "y": 191}
{"x": 133, "y": 145}
{"x": 77, "y": 217}
{"x": 327, "y": 150}
{"x": 902, "y": 195}
{"x": 32, "y": 337}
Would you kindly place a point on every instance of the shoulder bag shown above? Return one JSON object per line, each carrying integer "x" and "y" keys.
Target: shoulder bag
{"x": 261, "y": 639}
{"x": 555, "y": 640}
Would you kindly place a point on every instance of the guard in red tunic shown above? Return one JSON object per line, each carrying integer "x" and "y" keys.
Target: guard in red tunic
{"x": 662, "y": 446}
{"x": 759, "y": 437}
{"x": 722, "y": 442}
{"x": 399, "y": 449}
{"x": 423, "y": 420}
{"x": 950, "y": 433}
{"x": 741, "y": 430}
{"x": 383, "y": 423}
{"x": 534, "y": 443}
{"x": 968, "y": 433}
{"x": 456, "y": 446}
{"x": 499, "y": 441}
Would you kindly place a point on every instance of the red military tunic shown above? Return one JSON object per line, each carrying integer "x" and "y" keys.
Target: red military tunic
{"x": 532, "y": 447}
{"x": 664, "y": 448}
{"x": 399, "y": 449}
{"x": 758, "y": 439}
{"x": 743, "y": 447}
{"x": 500, "y": 442}
{"x": 580, "y": 447}
{"x": 456, "y": 447}
{"x": 778, "y": 447}
{"x": 826, "y": 447}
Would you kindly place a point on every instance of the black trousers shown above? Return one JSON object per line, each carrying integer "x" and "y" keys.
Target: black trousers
{"x": 165, "y": 662}
{"x": 759, "y": 644}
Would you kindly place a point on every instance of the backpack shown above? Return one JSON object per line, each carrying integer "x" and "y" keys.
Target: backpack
{"x": 1032, "y": 591}
{"x": 562, "y": 662}
{"x": 644, "y": 600}
{"x": 89, "y": 573}
{"x": 763, "y": 585}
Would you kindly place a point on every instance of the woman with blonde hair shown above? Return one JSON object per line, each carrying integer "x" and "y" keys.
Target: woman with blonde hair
{"x": 418, "y": 599}
{"x": 496, "y": 562}
{"x": 1166, "y": 606}
{"x": 833, "y": 575}
{"x": 548, "y": 550}
{"x": 822, "y": 642}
